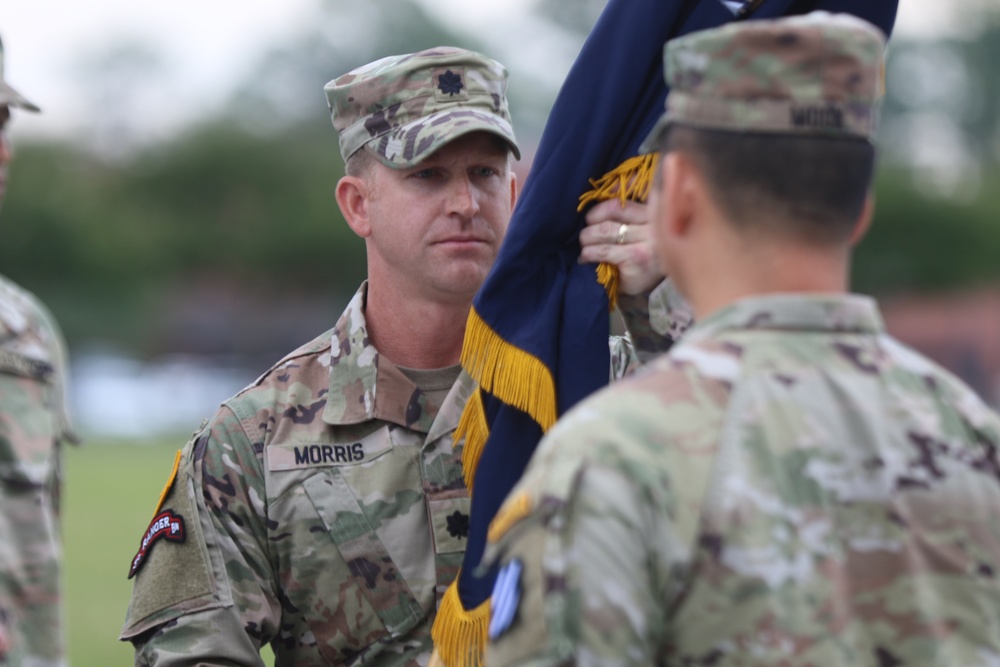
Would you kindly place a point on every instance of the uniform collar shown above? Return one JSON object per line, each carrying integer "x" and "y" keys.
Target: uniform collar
{"x": 366, "y": 386}
{"x": 834, "y": 313}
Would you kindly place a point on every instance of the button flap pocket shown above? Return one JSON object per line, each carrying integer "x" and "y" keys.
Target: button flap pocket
{"x": 367, "y": 559}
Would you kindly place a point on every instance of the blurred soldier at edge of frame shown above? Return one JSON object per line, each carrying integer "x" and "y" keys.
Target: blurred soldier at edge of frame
{"x": 788, "y": 484}
{"x": 33, "y": 423}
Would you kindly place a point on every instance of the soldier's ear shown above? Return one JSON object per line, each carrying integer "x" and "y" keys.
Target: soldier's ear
{"x": 864, "y": 220}
{"x": 354, "y": 201}
{"x": 679, "y": 194}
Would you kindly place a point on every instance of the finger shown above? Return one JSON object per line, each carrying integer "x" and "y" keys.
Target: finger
{"x": 607, "y": 233}
{"x": 611, "y": 210}
{"x": 602, "y": 252}
{"x": 638, "y": 268}
{"x": 619, "y": 255}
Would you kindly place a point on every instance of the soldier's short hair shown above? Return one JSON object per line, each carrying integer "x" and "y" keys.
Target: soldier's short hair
{"x": 812, "y": 188}
{"x": 359, "y": 164}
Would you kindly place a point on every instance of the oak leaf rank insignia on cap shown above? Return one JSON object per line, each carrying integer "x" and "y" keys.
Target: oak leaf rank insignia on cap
{"x": 450, "y": 83}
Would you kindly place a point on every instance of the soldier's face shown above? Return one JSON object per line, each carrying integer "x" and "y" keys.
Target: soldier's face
{"x": 436, "y": 228}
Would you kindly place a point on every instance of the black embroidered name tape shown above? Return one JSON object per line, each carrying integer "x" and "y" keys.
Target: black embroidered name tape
{"x": 820, "y": 116}
{"x": 166, "y": 526}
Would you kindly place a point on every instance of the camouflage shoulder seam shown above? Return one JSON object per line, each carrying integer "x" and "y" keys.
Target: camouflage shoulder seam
{"x": 250, "y": 430}
{"x": 317, "y": 345}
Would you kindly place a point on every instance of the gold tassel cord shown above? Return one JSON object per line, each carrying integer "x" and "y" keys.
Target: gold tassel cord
{"x": 629, "y": 181}
{"x": 459, "y": 635}
{"x": 607, "y": 275}
{"x": 474, "y": 429}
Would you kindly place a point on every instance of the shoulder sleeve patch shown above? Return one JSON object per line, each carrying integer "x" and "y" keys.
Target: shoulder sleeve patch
{"x": 174, "y": 578}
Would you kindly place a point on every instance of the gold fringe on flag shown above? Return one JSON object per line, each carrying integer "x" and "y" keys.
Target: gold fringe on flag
{"x": 514, "y": 376}
{"x": 629, "y": 181}
{"x": 459, "y": 635}
{"x": 473, "y": 427}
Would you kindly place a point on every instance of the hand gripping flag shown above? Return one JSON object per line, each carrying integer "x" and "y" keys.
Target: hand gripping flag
{"x": 537, "y": 338}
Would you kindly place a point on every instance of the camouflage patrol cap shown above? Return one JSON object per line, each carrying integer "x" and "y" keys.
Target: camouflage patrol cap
{"x": 403, "y": 108}
{"x": 817, "y": 74}
{"x": 8, "y": 95}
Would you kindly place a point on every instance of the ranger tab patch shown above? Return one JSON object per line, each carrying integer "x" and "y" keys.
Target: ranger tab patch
{"x": 165, "y": 525}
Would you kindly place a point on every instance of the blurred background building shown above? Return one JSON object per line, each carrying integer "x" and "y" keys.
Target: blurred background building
{"x": 174, "y": 207}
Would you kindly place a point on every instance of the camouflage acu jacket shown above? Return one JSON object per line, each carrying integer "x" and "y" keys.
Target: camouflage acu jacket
{"x": 788, "y": 486}
{"x": 321, "y": 511}
{"x": 33, "y": 420}
{"x": 33, "y": 413}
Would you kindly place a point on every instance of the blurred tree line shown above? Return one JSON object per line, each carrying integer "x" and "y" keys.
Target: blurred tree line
{"x": 240, "y": 207}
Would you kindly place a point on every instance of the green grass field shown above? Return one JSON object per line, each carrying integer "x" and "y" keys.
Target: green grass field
{"x": 110, "y": 493}
{"x": 109, "y": 496}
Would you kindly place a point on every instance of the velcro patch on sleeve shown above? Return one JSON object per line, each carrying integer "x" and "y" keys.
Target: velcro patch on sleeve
{"x": 165, "y": 526}
{"x": 175, "y": 578}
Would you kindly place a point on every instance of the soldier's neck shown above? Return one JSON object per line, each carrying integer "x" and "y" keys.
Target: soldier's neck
{"x": 776, "y": 268}
{"x": 415, "y": 333}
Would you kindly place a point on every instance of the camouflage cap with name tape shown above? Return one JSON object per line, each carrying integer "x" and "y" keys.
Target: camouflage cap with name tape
{"x": 403, "y": 108}
{"x": 8, "y": 95}
{"x": 816, "y": 74}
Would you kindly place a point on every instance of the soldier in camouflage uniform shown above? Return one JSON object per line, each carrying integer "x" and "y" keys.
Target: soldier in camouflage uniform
{"x": 322, "y": 510}
{"x": 33, "y": 421}
{"x": 788, "y": 485}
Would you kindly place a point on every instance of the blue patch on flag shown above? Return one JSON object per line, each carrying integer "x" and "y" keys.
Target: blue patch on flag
{"x": 506, "y": 597}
